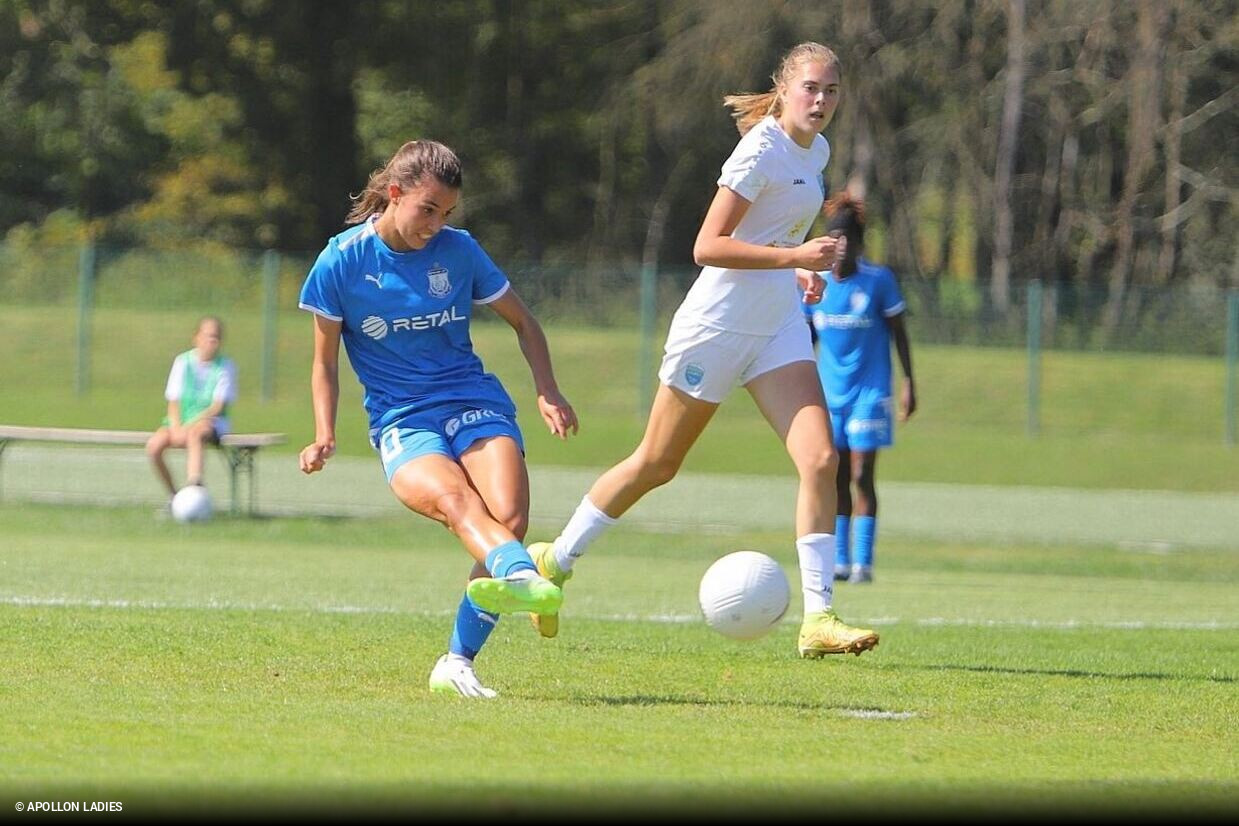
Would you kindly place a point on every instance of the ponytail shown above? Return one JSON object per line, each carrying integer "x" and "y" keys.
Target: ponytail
{"x": 411, "y": 163}
{"x": 748, "y": 109}
{"x": 846, "y": 212}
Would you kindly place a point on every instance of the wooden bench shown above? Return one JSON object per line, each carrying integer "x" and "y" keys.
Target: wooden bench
{"x": 238, "y": 448}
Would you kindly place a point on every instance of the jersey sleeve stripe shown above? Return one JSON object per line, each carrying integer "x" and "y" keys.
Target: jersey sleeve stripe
{"x": 323, "y": 313}
{"x": 896, "y": 310}
{"x": 360, "y": 236}
{"x": 495, "y": 296}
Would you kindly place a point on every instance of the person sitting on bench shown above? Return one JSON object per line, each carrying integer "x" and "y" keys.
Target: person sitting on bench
{"x": 200, "y": 387}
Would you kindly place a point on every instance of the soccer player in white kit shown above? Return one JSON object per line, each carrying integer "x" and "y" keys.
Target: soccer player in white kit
{"x": 742, "y": 323}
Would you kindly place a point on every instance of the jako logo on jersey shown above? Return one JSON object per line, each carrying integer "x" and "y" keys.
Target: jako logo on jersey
{"x": 798, "y": 182}
{"x": 439, "y": 285}
{"x": 693, "y": 374}
{"x": 374, "y": 326}
{"x": 469, "y": 417}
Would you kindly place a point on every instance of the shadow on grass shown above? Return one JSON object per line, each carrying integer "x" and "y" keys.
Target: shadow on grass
{"x": 1074, "y": 672}
{"x": 651, "y": 700}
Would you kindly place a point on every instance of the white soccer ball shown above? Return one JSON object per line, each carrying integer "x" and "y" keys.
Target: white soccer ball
{"x": 744, "y": 595}
{"x": 192, "y": 503}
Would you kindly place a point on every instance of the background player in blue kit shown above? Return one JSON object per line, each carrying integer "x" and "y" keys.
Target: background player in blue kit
{"x": 860, "y": 313}
{"x": 399, "y": 290}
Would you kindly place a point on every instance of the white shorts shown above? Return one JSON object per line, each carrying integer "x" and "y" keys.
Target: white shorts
{"x": 707, "y": 363}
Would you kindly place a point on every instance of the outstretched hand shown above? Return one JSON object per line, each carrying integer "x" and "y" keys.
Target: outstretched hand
{"x": 558, "y": 414}
{"x": 314, "y": 456}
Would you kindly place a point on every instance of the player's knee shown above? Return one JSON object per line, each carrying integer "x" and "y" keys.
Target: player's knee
{"x": 820, "y": 464}
{"x": 156, "y": 445}
{"x": 865, "y": 484}
{"x": 659, "y": 470}
{"x": 453, "y": 508}
{"x": 516, "y": 521}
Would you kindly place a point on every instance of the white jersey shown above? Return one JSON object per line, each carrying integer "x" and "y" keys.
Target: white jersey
{"x": 225, "y": 389}
{"x": 783, "y": 183}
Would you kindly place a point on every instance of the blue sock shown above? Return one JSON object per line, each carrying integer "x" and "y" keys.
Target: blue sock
{"x": 473, "y": 626}
{"x": 841, "y": 540}
{"x": 866, "y": 531}
{"x": 509, "y": 558}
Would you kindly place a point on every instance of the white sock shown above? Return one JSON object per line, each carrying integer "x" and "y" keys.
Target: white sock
{"x": 817, "y": 567}
{"x": 583, "y": 528}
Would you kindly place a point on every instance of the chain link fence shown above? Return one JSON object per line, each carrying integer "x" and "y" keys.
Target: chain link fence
{"x": 142, "y": 290}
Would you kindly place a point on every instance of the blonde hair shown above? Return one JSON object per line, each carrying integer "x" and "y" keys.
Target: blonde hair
{"x": 750, "y": 107}
{"x": 411, "y": 163}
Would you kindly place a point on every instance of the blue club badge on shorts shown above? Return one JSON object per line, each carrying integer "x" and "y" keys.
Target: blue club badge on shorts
{"x": 693, "y": 374}
{"x": 439, "y": 285}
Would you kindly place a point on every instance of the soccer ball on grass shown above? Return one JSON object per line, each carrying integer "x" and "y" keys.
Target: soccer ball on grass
{"x": 192, "y": 503}
{"x": 744, "y": 594}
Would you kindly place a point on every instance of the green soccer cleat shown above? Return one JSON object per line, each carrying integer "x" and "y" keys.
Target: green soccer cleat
{"x": 543, "y": 554}
{"x": 824, "y": 633}
{"x": 514, "y": 595}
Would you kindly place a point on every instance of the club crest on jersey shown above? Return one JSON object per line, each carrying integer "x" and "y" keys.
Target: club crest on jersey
{"x": 439, "y": 285}
{"x": 693, "y": 374}
{"x": 859, "y": 302}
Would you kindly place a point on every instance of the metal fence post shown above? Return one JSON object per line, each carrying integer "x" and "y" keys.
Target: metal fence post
{"x": 85, "y": 300}
{"x": 270, "y": 284}
{"x": 1034, "y": 357}
{"x": 649, "y": 285}
{"x": 1232, "y": 366}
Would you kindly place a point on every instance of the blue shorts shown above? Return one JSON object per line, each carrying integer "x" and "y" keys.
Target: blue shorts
{"x": 863, "y": 427}
{"x": 449, "y": 430}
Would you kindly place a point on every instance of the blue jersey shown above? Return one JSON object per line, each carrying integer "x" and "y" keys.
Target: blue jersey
{"x": 405, "y": 318}
{"x": 854, "y": 357}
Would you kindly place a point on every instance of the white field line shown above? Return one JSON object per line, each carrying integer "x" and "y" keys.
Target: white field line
{"x": 218, "y": 605}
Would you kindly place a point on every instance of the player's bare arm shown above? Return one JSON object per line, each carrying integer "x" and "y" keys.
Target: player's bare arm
{"x": 907, "y": 393}
{"x": 325, "y": 394}
{"x": 715, "y": 247}
{"x": 558, "y": 414}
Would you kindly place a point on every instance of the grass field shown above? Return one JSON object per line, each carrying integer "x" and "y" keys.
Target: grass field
{"x": 282, "y": 663}
{"x": 1059, "y": 616}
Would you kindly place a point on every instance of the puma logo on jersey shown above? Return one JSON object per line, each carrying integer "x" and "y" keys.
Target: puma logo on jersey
{"x": 375, "y": 279}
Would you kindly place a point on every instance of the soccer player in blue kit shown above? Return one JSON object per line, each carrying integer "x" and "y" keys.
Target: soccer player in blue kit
{"x": 860, "y": 313}
{"x": 399, "y": 290}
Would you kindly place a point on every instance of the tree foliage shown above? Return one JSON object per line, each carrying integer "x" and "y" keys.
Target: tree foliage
{"x": 592, "y": 131}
